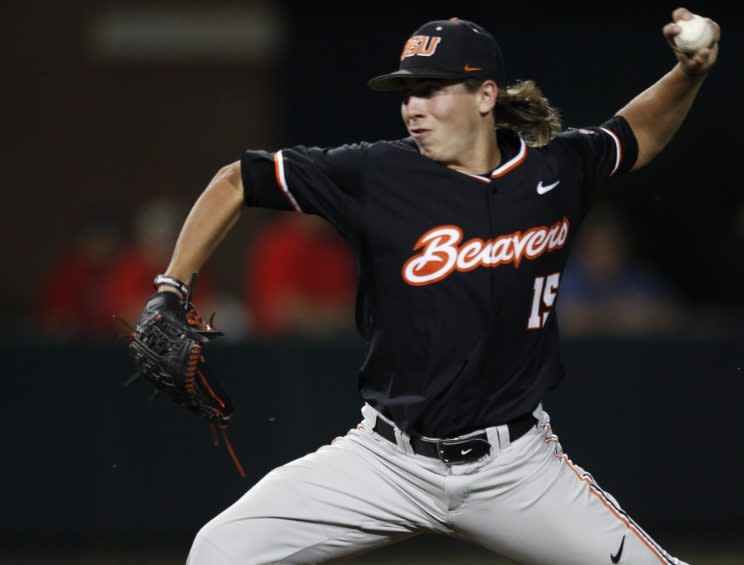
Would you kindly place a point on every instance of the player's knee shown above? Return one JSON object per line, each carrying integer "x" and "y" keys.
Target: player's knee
{"x": 229, "y": 542}
{"x": 207, "y": 547}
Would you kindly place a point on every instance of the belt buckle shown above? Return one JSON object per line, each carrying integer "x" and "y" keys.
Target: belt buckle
{"x": 440, "y": 452}
{"x": 444, "y": 443}
{"x": 473, "y": 444}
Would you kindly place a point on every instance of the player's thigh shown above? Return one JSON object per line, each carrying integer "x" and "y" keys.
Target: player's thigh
{"x": 335, "y": 502}
{"x": 540, "y": 508}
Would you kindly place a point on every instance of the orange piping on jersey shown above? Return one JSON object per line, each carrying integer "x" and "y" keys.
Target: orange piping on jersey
{"x": 281, "y": 181}
{"x": 611, "y": 509}
{"x": 512, "y": 163}
{"x": 618, "y": 146}
{"x": 477, "y": 177}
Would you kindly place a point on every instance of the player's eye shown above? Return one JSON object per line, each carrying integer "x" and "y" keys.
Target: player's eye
{"x": 421, "y": 91}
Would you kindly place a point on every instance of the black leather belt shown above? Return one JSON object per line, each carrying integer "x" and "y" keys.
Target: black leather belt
{"x": 456, "y": 450}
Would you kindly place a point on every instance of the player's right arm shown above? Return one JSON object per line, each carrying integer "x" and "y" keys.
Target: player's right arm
{"x": 213, "y": 215}
{"x": 322, "y": 181}
{"x": 657, "y": 113}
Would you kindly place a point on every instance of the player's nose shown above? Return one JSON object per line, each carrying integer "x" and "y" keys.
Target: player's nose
{"x": 413, "y": 105}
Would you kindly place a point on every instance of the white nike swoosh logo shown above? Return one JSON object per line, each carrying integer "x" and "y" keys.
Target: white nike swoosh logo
{"x": 466, "y": 451}
{"x": 542, "y": 189}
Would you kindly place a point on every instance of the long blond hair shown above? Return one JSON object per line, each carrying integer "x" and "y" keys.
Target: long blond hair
{"x": 522, "y": 107}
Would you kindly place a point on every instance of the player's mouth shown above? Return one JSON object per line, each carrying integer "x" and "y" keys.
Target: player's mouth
{"x": 419, "y": 133}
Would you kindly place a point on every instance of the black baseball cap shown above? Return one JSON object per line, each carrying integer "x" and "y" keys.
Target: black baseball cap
{"x": 446, "y": 49}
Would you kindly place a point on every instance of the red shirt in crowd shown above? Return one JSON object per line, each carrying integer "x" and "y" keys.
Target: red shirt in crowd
{"x": 301, "y": 278}
{"x": 71, "y": 295}
{"x": 129, "y": 283}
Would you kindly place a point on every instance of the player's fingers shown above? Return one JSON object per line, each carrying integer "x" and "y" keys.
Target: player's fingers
{"x": 701, "y": 56}
{"x": 670, "y": 30}
{"x": 716, "y": 30}
{"x": 681, "y": 14}
{"x": 701, "y": 61}
{"x": 708, "y": 55}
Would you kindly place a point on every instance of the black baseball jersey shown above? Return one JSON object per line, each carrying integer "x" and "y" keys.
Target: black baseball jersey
{"x": 458, "y": 273}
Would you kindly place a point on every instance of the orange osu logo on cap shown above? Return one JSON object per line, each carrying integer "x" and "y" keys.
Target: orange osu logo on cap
{"x": 424, "y": 45}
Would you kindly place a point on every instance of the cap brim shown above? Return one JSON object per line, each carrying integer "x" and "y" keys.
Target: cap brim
{"x": 395, "y": 81}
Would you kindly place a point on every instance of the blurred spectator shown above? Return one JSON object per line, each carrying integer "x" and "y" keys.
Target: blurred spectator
{"x": 129, "y": 281}
{"x": 603, "y": 290}
{"x": 300, "y": 280}
{"x": 70, "y": 299}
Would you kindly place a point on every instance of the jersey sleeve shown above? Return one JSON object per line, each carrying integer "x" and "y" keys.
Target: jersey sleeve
{"x": 311, "y": 180}
{"x": 601, "y": 151}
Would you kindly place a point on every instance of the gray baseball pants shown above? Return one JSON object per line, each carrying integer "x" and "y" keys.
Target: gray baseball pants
{"x": 525, "y": 500}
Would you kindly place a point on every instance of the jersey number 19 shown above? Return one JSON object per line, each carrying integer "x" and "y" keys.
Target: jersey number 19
{"x": 545, "y": 290}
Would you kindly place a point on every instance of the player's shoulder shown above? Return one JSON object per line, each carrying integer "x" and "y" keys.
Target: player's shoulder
{"x": 573, "y": 131}
{"x": 383, "y": 148}
{"x": 357, "y": 152}
{"x": 382, "y": 145}
{"x": 575, "y": 134}
{"x": 406, "y": 144}
{"x": 611, "y": 128}
{"x": 565, "y": 147}
{"x": 612, "y": 141}
{"x": 573, "y": 139}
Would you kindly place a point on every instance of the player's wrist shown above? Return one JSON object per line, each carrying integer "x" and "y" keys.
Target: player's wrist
{"x": 691, "y": 74}
{"x": 167, "y": 283}
{"x": 166, "y": 288}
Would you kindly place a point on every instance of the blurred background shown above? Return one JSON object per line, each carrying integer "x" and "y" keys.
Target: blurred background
{"x": 117, "y": 115}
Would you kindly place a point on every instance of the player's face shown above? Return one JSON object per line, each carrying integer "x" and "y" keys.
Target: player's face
{"x": 441, "y": 117}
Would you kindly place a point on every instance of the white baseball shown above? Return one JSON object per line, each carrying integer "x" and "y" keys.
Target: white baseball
{"x": 696, "y": 33}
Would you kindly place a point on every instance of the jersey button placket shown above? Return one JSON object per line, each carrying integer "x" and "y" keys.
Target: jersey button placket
{"x": 493, "y": 195}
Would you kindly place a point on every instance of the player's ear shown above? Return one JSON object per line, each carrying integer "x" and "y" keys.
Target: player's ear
{"x": 487, "y": 94}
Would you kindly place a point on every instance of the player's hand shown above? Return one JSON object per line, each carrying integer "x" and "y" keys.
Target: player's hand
{"x": 166, "y": 348}
{"x": 699, "y": 62}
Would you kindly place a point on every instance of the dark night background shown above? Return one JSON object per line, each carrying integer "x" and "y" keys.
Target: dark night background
{"x": 101, "y": 476}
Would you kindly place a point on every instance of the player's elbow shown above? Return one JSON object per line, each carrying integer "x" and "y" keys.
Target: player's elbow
{"x": 231, "y": 175}
{"x": 228, "y": 184}
{"x": 650, "y": 138}
{"x": 648, "y": 149}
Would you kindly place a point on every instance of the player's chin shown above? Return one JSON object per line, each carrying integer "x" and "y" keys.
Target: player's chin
{"x": 428, "y": 150}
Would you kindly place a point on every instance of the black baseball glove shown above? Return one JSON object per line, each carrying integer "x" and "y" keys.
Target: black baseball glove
{"x": 167, "y": 349}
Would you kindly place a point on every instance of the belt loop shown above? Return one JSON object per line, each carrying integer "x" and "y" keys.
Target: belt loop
{"x": 404, "y": 441}
{"x": 542, "y": 417}
{"x": 504, "y": 439}
{"x": 401, "y": 438}
{"x": 494, "y": 439}
{"x": 369, "y": 416}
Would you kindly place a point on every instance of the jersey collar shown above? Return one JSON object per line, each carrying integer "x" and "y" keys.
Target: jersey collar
{"x": 513, "y": 153}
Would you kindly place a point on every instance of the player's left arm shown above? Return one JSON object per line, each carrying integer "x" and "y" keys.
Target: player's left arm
{"x": 657, "y": 112}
